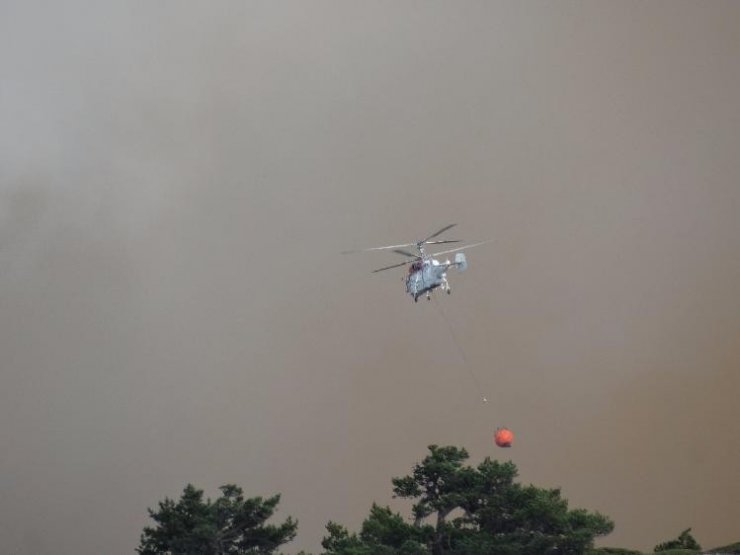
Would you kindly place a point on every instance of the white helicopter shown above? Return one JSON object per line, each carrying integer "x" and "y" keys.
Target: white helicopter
{"x": 426, "y": 273}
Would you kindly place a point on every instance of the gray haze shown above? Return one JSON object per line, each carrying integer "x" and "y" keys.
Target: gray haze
{"x": 177, "y": 180}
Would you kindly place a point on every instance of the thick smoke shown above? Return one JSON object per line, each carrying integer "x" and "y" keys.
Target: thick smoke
{"x": 177, "y": 180}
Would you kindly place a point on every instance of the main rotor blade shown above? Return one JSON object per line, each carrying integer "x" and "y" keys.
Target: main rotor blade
{"x": 462, "y": 248}
{"x": 443, "y": 241}
{"x": 394, "y": 266}
{"x": 433, "y": 235}
{"x": 405, "y": 253}
{"x": 380, "y": 248}
{"x": 425, "y": 241}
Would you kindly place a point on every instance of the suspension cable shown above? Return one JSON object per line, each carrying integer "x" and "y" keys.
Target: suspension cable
{"x": 461, "y": 351}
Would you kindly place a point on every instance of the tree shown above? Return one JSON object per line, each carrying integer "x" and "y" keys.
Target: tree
{"x": 441, "y": 484}
{"x": 479, "y": 510}
{"x": 527, "y": 519}
{"x": 383, "y": 533}
{"x": 684, "y": 541}
{"x": 733, "y": 548}
{"x": 341, "y": 542}
{"x": 231, "y": 525}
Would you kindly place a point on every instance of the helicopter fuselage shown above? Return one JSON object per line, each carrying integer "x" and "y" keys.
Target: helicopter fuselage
{"x": 428, "y": 274}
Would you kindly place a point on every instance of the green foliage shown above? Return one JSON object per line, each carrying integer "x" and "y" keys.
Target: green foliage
{"x": 439, "y": 482}
{"x": 385, "y": 528}
{"x": 383, "y": 533}
{"x": 475, "y": 511}
{"x": 230, "y": 525}
{"x": 684, "y": 541}
{"x": 341, "y": 542}
{"x": 733, "y": 548}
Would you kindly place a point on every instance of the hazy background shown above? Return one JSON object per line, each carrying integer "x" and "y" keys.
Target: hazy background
{"x": 177, "y": 181}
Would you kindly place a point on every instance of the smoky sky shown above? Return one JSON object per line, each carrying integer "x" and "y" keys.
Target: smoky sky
{"x": 178, "y": 179}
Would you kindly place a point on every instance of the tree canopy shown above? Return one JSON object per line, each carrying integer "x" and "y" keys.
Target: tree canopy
{"x": 684, "y": 541}
{"x": 473, "y": 510}
{"x": 231, "y": 525}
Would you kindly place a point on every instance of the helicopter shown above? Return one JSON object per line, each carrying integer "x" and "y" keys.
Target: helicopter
{"x": 426, "y": 273}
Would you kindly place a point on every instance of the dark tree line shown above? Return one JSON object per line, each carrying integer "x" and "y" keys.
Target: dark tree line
{"x": 471, "y": 510}
{"x": 458, "y": 509}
